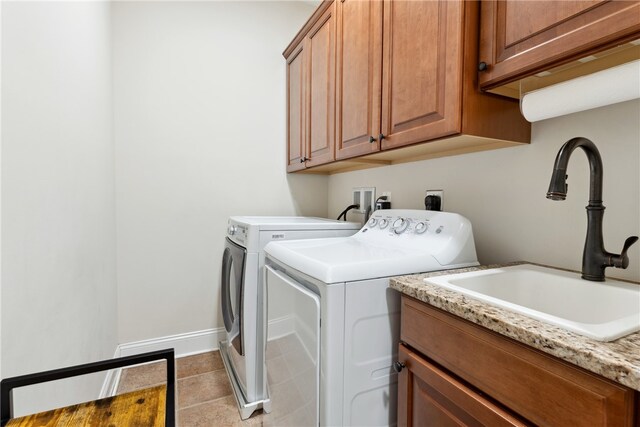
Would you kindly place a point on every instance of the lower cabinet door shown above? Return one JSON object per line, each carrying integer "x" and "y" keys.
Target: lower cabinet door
{"x": 428, "y": 396}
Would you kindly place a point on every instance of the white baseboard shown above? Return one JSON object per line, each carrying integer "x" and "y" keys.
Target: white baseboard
{"x": 185, "y": 344}
{"x": 112, "y": 379}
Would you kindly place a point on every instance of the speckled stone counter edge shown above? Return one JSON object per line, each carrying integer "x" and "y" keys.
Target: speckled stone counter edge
{"x": 618, "y": 360}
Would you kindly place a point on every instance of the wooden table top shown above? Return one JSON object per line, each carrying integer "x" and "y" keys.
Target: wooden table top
{"x": 141, "y": 408}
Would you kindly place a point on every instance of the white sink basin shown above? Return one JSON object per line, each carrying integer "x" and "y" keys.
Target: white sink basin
{"x": 604, "y": 311}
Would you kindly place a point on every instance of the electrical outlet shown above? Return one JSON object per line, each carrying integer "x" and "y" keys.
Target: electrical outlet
{"x": 384, "y": 200}
{"x": 439, "y": 193}
{"x": 365, "y": 197}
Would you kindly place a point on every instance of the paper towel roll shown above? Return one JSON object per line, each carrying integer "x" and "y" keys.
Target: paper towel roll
{"x": 617, "y": 84}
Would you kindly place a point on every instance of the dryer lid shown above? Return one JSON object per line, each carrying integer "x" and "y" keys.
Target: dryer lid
{"x": 293, "y": 223}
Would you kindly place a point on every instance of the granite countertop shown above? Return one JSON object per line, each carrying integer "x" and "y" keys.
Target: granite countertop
{"x": 617, "y": 360}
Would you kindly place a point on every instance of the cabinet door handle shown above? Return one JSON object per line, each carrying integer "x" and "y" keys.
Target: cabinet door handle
{"x": 398, "y": 366}
{"x": 303, "y": 159}
{"x": 482, "y": 66}
{"x": 381, "y": 137}
{"x": 372, "y": 139}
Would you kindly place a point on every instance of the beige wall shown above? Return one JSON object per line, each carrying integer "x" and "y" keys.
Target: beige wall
{"x": 199, "y": 92}
{"x": 503, "y": 192}
{"x": 58, "y": 223}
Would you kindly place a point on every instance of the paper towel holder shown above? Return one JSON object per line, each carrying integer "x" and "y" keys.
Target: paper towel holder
{"x": 606, "y": 87}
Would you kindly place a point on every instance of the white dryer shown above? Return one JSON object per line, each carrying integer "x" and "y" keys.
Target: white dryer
{"x": 243, "y": 314}
{"x": 332, "y": 364}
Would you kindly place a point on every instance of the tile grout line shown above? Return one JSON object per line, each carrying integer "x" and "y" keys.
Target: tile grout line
{"x": 206, "y": 401}
{"x": 178, "y": 380}
{"x": 190, "y": 376}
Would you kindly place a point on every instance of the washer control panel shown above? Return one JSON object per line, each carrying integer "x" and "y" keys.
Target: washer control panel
{"x": 237, "y": 233}
{"x": 445, "y": 236}
{"x": 397, "y": 222}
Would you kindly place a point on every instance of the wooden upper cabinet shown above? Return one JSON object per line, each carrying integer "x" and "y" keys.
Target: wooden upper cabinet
{"x": 296, "y": 99}
{"x": 422, "y": 71}
{"x": 321, "y": 101}
{"x": 520, "y": 38}
{"x": 311, "y": 95}
{"x": 385, "y": 74}
{"x": 429, "y": 82}
{"x": 358, "y": 96}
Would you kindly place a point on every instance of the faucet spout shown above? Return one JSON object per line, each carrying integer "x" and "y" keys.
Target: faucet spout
{"x": 595, "y": 259}
{"x": 558, "y": 184}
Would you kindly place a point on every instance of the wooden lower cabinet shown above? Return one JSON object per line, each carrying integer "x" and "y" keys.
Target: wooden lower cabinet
{"x": 430, "y": 396}
{"x": 458, "y": 373}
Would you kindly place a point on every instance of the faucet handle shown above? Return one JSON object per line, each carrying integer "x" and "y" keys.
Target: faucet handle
{"x": 622, "y": 260}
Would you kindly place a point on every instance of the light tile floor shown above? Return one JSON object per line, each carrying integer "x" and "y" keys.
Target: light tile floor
{"x": 204, "y": 395}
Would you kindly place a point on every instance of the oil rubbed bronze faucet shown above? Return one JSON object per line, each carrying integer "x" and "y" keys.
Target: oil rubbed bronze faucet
{"x": 594, "y": 258}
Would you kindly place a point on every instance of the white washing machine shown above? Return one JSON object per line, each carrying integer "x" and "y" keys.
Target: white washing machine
{"x": 242, "y": 299}
{"x": 332, "y": 363}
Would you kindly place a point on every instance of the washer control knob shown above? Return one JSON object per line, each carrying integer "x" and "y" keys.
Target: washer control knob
{"x": 383, "y": 223}
{"x": 400, "y": 225}
{"x": 372, "y": 222}
{"x": 232, "y": 230}
{"x": 421, "y": 227}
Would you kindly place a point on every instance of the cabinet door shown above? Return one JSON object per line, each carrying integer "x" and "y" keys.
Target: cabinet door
{"x": 428, "y": 396}
{"x": 359, "y": 73}
{"x": 422, "y": 71}
{"x": 321, "y": 102}
{"x": 520, "y": 38}
{"x": 296, "y": 99}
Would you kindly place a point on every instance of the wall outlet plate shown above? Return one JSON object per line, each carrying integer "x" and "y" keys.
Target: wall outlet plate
{"x": 439, "y": 193}
{"x": 365, "y": 197}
